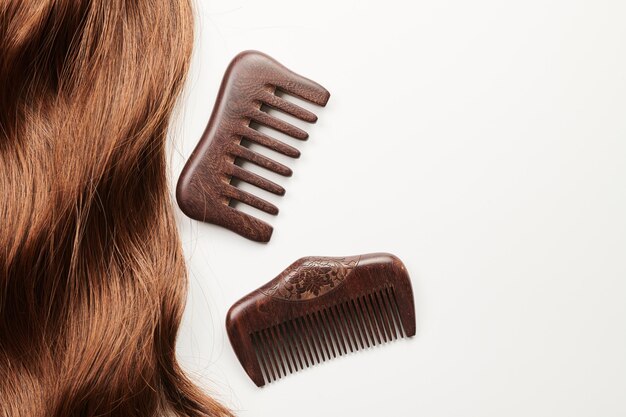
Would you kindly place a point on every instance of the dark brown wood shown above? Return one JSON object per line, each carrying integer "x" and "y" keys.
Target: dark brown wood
{"x": 204, "y": 191}
{"x": 316, "y": 308}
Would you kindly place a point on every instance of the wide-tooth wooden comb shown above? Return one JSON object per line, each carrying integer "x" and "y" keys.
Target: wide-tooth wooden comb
{"x": 320, "y": 307}
{"x": 204, "y": 191}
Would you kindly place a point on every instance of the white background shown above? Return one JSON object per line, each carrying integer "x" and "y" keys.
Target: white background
{"x": 484, "y": 143}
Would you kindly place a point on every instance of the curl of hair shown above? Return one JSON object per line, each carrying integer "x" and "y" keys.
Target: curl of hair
{"x": 92, "y": 277}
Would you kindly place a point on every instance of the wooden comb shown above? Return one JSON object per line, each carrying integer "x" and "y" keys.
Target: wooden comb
{"x": 317, "y": 308}
{"x": 204, "y": 191}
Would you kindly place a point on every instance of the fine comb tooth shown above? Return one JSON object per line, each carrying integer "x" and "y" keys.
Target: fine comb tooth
{"x": 271, "y": 354}
{"x": 325, "y": 326}
{"x": 344, "y": 327}
{"x": 308, "y": 334}
{"x": 320, "y": 308}
{"x": 394, "y": 309}
{"x": 316, "y": 340}
{"x": 383, "y": 315}
{"x": 278, "y": 348}
{"x": 288, "y": 349}
{"x": 293, "y": 348}
{"x": 266, "y": 354}
{"x": 341, "y": 347}
{"x": 382, "y": 296}
{"x": 303, "y": 335}
{"x": 351, "y": 331}
{"x": 359, "y": 323}
{"x": 358, "y": 341}
{"x": 253, "y": 83}
{"x": 372, "y": 319}
{"x": 321, "y": 335}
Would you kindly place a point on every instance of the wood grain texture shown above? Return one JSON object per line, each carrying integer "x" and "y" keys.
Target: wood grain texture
{"x": 204, "y": 190}
{"x": 319, "y": 308}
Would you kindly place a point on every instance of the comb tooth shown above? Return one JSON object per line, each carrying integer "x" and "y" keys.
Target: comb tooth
{"x": 254, "y": 179}
{"x": 292, "y": 346}
{"x": 367, "y": 324}
{"x": 288, "y": 107}
{"x": 308, "y": 357}
{"x": 383, "y": 314}
{"x": 316, "y": 339}
{"x": 288, "y": 343}
{"x": 323, "y": 326}
{"x": 372, "y": 321}
{"x": 310, "y": 341}
{"x": 275, "y": 357}
{"x": 260, "y": 358}
{"x": 338, "y": 338}
{"x": 266, "y": 357}
{"x": 268, "y": 120}
{"x": 291, "y": 325}
{"x": 377, "y": 318}
{"x": 242, "y": 152}
{"x": 354, "y": 320}
{"x": 362, "y": 322}
{"x": 269, "y": 142}
{"x": 351, "y": 326}
{"x": 305, "y": 89}
{"x": 249, "y": 199}
{"x": 326, "y": 328}
{"x": 396, "y": 310}
{"x": 269, "y": 355}
{"x": 387, "y": 306}
{"x": 357, "y": 320}
{"x": 321, "y": 332}
{"x": 345, "y": 332}
{"x": 332, "y": 331}
{"x": 278, "y": 346}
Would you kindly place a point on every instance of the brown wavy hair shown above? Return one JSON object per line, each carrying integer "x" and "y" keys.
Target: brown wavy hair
{"x": 92, "y": 276}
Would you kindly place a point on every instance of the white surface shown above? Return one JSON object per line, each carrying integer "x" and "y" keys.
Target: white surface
{"x": 482, "y": 142}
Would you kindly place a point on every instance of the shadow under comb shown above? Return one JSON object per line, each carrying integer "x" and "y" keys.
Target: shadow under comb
{"x": 204, "y": 191}
{"x": 321, "y": 307}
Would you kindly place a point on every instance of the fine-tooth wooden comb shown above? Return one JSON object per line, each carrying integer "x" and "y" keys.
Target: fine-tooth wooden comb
{"x": 204, "y": 191}
{"x": 320, "y": 307}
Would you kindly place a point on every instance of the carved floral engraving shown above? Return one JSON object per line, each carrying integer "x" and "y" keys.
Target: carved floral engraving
{"x": 312, "y": 278}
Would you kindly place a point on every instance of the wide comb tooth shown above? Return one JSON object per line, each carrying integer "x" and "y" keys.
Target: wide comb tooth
{"x": 268, "y": 120}
{"x": 320, "y": 308}
{"x": 254, "y": 179}
{"x": 239, "y": 151}
{"x": 305, "y": 89}
{"x": 249, "y": 199}
{"x": 288, "y": 107}
{"x": 252, "y": 83}
{"x": 269, "y": 142}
